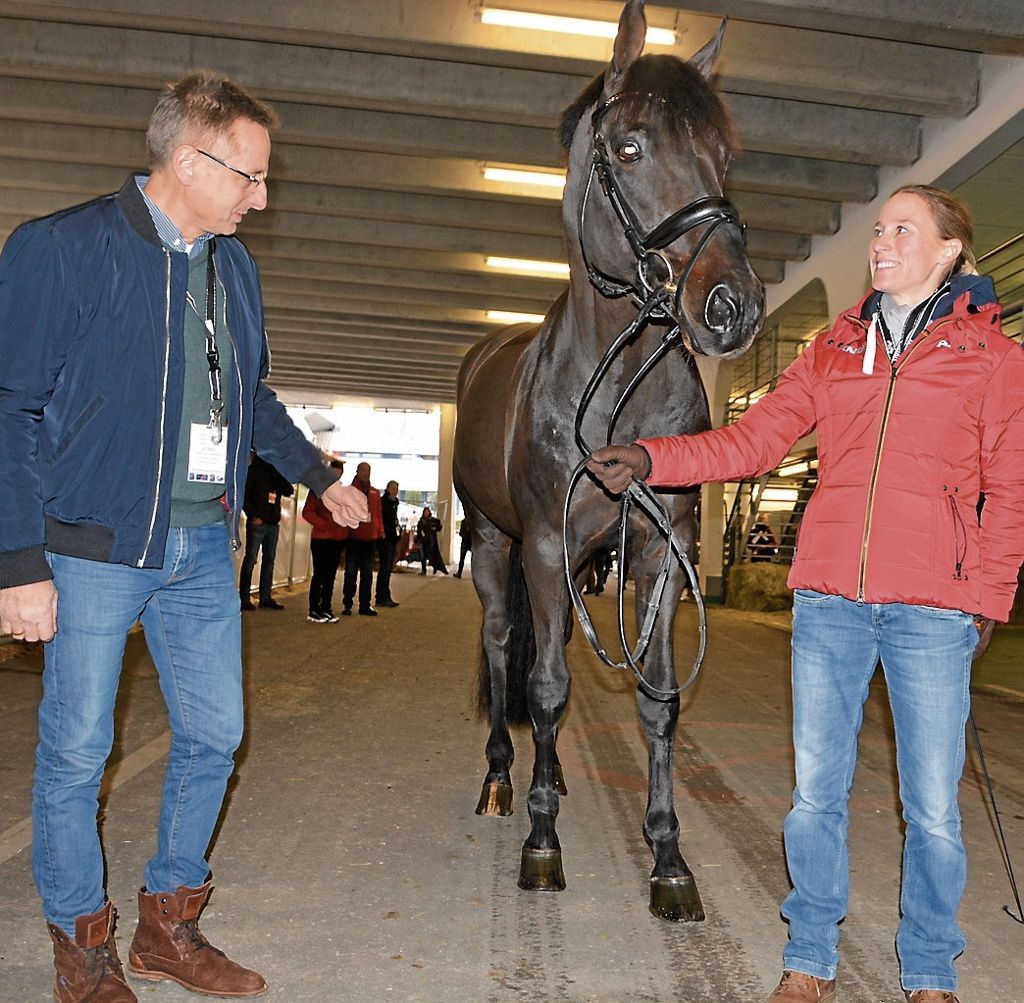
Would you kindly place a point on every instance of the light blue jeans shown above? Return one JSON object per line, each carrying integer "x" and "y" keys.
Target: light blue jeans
{"x": 190, "y": 613}
{"x": 926, "y": 657}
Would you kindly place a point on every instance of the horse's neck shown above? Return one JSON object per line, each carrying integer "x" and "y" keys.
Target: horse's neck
{"x": 559, "y": 363}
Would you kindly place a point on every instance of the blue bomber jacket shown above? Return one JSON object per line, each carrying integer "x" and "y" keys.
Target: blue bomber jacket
{"x": 92, "y": 313}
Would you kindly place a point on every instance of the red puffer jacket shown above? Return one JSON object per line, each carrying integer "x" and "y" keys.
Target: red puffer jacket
{"x": 903, "y": 455}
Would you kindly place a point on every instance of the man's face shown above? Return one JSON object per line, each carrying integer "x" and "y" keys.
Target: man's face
{"x": 363, "y": 473}
{"x": 393, "y": 488}
{"x": 218, "y": 197}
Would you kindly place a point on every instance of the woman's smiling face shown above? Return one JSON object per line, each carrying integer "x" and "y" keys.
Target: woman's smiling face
{"x": 909, "y": 259}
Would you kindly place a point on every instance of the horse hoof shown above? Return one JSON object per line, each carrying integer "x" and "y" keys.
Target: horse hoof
{"x": 676, "y": 899}
{"x": 559, "y": 781}
{"x": 495, "y": 799}
{"x": 541, "y": 871}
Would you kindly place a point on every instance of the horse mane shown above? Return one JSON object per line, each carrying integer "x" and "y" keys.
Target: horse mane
{"x": 668, "y": 91}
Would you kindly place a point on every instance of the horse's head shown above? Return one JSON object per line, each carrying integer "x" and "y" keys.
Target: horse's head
{"x": 644, "y": 194}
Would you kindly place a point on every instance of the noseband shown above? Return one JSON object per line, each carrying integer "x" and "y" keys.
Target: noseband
{"x": 646, "y": 248}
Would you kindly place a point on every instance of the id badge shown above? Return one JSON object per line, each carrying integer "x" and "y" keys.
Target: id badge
{"x": 207, "y": 460}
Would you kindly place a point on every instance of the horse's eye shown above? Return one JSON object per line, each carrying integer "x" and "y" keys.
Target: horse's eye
{"x": 628, "y": 151}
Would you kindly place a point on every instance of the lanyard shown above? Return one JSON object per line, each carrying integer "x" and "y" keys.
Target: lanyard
{"x": 216, "y": 425}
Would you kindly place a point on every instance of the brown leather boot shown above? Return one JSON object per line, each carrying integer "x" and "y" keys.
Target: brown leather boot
{"x": 796, "y": 987}
{"x": 931, "y": 996}
{"x": 169, "y": 945}
{"x": 88, "y": 968}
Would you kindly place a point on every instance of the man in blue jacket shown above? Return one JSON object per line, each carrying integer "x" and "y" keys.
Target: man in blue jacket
{"x": 134, "y": 354}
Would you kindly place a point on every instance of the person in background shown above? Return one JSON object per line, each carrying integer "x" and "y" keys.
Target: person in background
{"x": 761, "y": 543}
{"x": 599, "y": 568}
{"x": 387, "y": 546}
{"x": 465, "y": 542}
{"x": 918, "y": 402}
{"x": 362, "y": 545}
{"x": 326, "y": 542}
{"x": 134, "y": 357}
{"x": 264, "y": 489}
{"x": 426, "y": 537}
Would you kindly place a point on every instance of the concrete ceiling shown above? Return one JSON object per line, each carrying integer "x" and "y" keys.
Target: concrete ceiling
{"x": 372, "y": 249}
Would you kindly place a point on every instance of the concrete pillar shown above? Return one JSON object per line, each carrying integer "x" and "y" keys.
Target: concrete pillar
{"x": 445, "y": 489}
{"x": 717, "y": 377}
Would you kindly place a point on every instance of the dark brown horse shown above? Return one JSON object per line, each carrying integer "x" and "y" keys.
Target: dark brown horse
{"x": 647, "y": 229}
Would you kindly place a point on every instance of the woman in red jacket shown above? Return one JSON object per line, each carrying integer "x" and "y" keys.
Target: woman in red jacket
{"x": 918, "y": 402}
{"x": 326, "y": 542}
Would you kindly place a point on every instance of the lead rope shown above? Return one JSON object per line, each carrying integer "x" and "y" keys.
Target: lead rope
{"x": 999, "y": 825}
{"x": 641, "y": 495}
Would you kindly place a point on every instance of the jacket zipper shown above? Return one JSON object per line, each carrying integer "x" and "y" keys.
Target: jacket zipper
{"x": 959, "y": 531}
{"x": 163, "y": 412}
{"x": 235, "y": 542}
{"x": 873, "y": 481}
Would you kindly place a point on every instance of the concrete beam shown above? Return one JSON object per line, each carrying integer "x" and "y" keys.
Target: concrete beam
{"x": 446, "y": 31}
{"x": 377, "y": 81}
{"x": 303, "y": 124}
{"x": 320, "y": 295}
{"x": 993, "y": 26}
{"x": 368, "y": 345}
{"x": 439, "y": 333}
{"x": 73, "y": 146}
{"x": 489, "y": 283}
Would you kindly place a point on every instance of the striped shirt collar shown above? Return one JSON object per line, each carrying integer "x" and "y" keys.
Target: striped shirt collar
{"x": 166, "y": 228}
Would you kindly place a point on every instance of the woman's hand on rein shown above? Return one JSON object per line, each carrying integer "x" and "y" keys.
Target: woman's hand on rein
{"x": 616, "y": 466}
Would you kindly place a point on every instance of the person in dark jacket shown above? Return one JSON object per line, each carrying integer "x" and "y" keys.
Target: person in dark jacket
{"x": 361, "y": 548}
{"x": 918, "y": 402}
{"x": 264, "y": 489}
{"x": 387, "y": 545}
{"x": 133, "y": 348}
{"x": 426, "y": 536}
{"x": 465, "y": 542}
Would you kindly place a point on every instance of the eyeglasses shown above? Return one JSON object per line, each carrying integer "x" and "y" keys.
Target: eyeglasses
{"x": 253, "y": 179}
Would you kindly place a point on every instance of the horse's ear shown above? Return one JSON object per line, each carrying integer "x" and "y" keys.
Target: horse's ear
{"x": 629, "y": 43}
{"x": 707, "y": 57}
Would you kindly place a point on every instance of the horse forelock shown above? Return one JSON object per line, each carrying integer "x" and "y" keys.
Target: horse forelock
{"x": 668, "y": 92}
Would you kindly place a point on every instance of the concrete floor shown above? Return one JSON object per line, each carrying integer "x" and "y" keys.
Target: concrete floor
{"x": 350, "y": 865}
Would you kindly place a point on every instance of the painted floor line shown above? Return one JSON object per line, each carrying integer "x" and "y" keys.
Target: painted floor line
{"x": 19, "y": 836}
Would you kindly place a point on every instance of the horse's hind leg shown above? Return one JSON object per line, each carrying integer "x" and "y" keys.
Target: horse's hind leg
{"x": 674, "y": 894}
{"x": 490, "y": 578}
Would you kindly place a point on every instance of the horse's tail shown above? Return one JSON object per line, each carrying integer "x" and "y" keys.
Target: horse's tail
{"x": 522, "y": 645}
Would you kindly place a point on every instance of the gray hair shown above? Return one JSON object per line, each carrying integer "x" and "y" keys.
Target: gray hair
{"x": 196, "y": 107}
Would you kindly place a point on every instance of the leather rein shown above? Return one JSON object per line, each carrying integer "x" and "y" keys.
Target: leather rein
{"x": 652, "y": 294}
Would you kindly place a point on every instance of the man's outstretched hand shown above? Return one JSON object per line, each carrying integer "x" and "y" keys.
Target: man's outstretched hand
{"x": 616, "y": 466}
{"x": 347, "y": 504}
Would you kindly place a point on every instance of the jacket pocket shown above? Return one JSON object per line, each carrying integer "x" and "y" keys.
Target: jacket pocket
{"x": 72, "y": 431}
{"x": 958, "y": 534}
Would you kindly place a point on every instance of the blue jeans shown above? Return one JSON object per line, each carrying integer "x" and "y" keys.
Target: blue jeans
{"x": 190, "y": 613}
{"x": 926, "y": 657}
{"x": 256, "y": 536}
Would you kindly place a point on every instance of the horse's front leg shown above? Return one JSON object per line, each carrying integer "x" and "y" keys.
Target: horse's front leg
{"x": 674, "y": 894}
{"x": 547, "y": 694}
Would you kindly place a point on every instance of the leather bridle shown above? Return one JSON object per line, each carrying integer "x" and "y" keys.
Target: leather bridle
{"x": 646, "y": 247}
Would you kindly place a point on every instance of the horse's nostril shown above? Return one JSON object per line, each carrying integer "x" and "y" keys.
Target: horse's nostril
{"x": 721, "y": 310}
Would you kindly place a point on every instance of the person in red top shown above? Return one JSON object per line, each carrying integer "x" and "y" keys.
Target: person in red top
{"x": 908, "y": 553}
{"x": 326, "y": 542}
{"x": 362, "y": 546}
